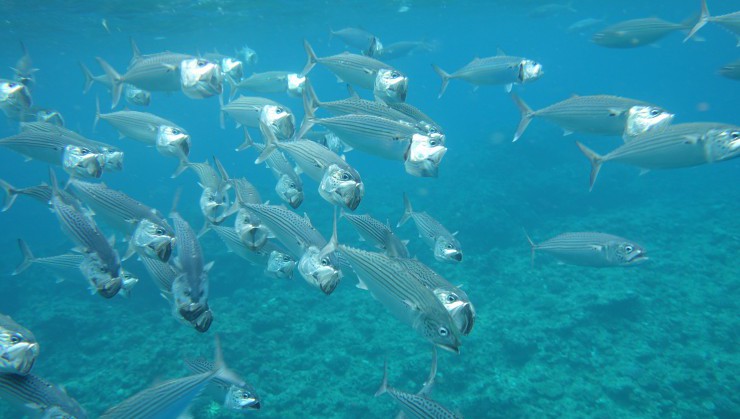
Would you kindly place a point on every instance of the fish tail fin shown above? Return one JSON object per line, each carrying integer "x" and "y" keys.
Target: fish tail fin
{"x": 271, "y": 143}
{"x": 596, "y": 162}
{"x": 429, "y": 383}
{"x": 407, "y": 211}
{"x": 53, "y": 182}
{"x": 311, "y": 60}
{"x": 184, "y": 164}
{"x": 89, "y": 80}
{"x": 130, "y": 251}
{"x": 248, "y": 142}
{"x": 233, "y": 87}
{"x": 10, "y": 195}
{"x": 221, "y": 169}
{"x": 310, "y": 100}
{"x": 383, "y": 385}
{"x": 135, "y": 52}
{"x": 28, "y": 257}
{"x": 703, "y": 19}
{"x": 445, "y": 79}
{"x": 115, "y": 81}
{"x": 527, "y": 114}
{"x": 221, "y": 113}
{"x": 306, "y": 123}
{"x": 221, "y": 370}
{"x": 333, "y": 243}
{"x": 532, "y": 246}
{"x": 97, "y": 113}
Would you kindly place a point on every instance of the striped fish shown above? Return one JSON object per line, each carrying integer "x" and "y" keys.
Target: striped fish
{"x": 18, "y": 347}
{"x": 677, "y": 146}
{"x": 39, "y": 397}
{"x": 74, "y": 158}
{"x": 730, "y": 21}
{"x": 237, "y": 398}
{"x": 381, "y": 234}
{"x": 282, "y": 263}
{"x": 267, "y": 82}
{"x": 404, "y": 296}
{"x": 419, "y": 405}
{"x": 500, "y": 69}
{"x": 247, "y": 111}
{"x": 731, "y": 70}
{"x": 636, "y": 32}
{"x": 354, "y": 69}
{"x": 171, "y": 398}
{"x": 419, "y": 118}
{"x": 207, "y": 175}
{"x": 444, "y": 244}
{"x": 41, "y": 193}
{"x": 139, "y": 126}
{"x": 599, "y": 114}
{"x": 591, "y": 249}
{"x": 69, "y": 261}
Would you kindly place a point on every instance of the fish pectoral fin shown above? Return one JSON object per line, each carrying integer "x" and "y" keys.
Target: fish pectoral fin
{"x": 361, "y": 284}
{"x": 597, "y": 247}
{"x": 508, "y": 87}
{"x": 567, "y": 132}
{"x": 411, "y": 305}
{"x": 644, "y": 171}
{"x": 500, "y": 52}
{"x": 367, "y": 71}
{"x": 615, "y": 112}
{"x": 169, "y": 67}
{"x": 691, "y": 139}
{"x": 208, "y": 266}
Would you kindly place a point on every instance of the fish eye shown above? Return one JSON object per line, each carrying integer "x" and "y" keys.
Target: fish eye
{"x": 395, "y": 74}
{"x": 84, "y": 151}
{"x": 451, "y": 298}
{"x": 735, "y": 135}
{"x": 443, "y": 331}
{"x": 201, "y": 63}
{"x": 432, "y": 143}
{"x": 11, "y": 84}
{"x": 175, "y": 131}
{"x": 433, "y": 130}
{"x": 160, "y": 231}
{"x": 325, "y": 262}
{"x": 449, "y": 246}
{"x": 654, "y": 112}
{"x": 292, "y": 184}
{"x": 15, "y": 338}
{"x": 286, "y": 259}
{"x": 279, "y": 110}
{"x": 628, "y": 248}
{"x": 346, "y": 176}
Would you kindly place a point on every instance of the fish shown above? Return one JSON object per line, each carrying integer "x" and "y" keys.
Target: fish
{"x": 445, "y": 245}
{"x": 231, "y": 68}
{"x": 677, "y": 146}
{"x": 15, "y": 99}
{"x": 237, "y": 398}
{"x": 82, "y": 230}
{"x": 591, "y": 249}
{"x": 249, "y": 55}
{"x": 731, "y": 70}
{"x": 41, "y": 193}
{"x": 18, "y": 347}
{"x": 380, "y": 233}
{"x": 420, "y": 120}
{"x": 49, "y": 116}
{"x": 319, "y": 267}
{"x": 172, "y": 398}
{"x": 417, "y": 405}
{"x": 390, "y": 86}
{"x": 24, "y": 72}
{"x": 200, "y": 78}
{"x": 730, "y": 21}
{"x": 339, "y": 183}
{"x": 356, "y": 38}
{"x": 454, "y": 299}
{"x": 173, "y": 141}
{"x": 69, "y": 261}
{"x": 499, "y": 69}
{"x": 91, "y": 79}
{"x": 275, "y": 259}
{"x": 404, "y": 296}
{"x": 208, "y": 176}
{"x": 136, "y": 96}
{"x": 636, "y": 32}
{"x": 271, "y": 82}
{"x": 247, "y": 111}
{"x": 39, "y": 398}
{"x": 584, "y": 25}
{"x": 598, "y": 114}
{"x": 280, "y": 122}
{"x": 354, "y": 69}
{"x": 250, "y": 230}
{"x": 139, "y": 126}
{"x": 403, "y": 49}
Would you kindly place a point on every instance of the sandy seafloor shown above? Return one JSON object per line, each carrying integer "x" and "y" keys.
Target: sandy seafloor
{"x": 657, "y": 340}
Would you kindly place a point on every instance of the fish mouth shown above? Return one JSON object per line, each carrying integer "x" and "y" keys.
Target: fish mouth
{"x": 109, "y": 289}
{"x": 21, "y": 357}
{"x": 464, "y": 317}
{"x": 455, "y": 349}
{"x": 638, "y": 259}
{"x": 203, "y": 323}
{"x": 256, "y": 405}
{"x": 191, "y": 312}
{"x": 295, "y": 200}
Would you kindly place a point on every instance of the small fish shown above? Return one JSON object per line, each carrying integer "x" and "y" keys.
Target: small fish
{"x": 231, "y": 68}
{"x": 445, "y": 245}
{"x": 730, "y": 21}
{"x": 677, "y": 146}
{"x": 237, "y": 398}
{"x": 91, "y": 79}
{"x": 358, "y": 38}
{"x": 24, "y": 71}
{"x": 731, "y": 70}
{"x": 271, "y": 82}
{"x": 591, "y": 249}
{"x": 250, "y": 230}
{"x": 200, "y": 78}
{"x": 403, "y": 49}
{"x": 380, "y": 233}
{"x": 551, "y": 9}
{"x": 136, "y": 96}
{"x": 499, "y": 69}
{"x": 599, "y": 114}
{"x": 41, "y": 193}
{"x": 248, "y": 55}
{"x": 18, "y": 347}
{"x": 635, "y": 33}
{"x": 49, "y": 116}
{"x": 247, "y": 111}
{"x": 173, "y": 141}
{"x": 15, "y": 99}
{"x": 39, "y": 398}
{"x": 584, "y": 25}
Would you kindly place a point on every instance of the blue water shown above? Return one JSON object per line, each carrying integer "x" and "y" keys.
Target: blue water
{"x": 657, "y": 340}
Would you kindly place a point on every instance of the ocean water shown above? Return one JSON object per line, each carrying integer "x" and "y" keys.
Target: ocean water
{"x": 656, "y": 340}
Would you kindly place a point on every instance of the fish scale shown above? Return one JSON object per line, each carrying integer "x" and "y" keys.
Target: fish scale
{"x": 378, "y": 232}
{"x": 294, "y": 231}
{"x": 307, "y": 153}
{"x": 591, "y": 113}
{"x": 162, "y": 273}
{"x": 140, "y": 126}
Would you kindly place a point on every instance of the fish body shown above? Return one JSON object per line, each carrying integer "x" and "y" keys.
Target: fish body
{"x": 356, "y": 38}
{"x": 500, "y": 69}
{"x": 402, "y": 49}
{"x": 635, "y": 33}
{"x": 379, "y": 233}
{"x": 237, "y": 398}
{"x": 248, "y": 55}
{"x": 584, "y": 25}
{"x": 18, "y": 347}
{"x": 591, "y": 249}
{"x": 677, "y": 146}
{"x": 247, "y": 111}
{"x": 289, "y": 186}
{"x": 15, "y": 99}
{"x": 41, "y": 193}
{"x": 731, "y": 70}
{"x": 139, "y": 126}
{"x": 267, "y": 82}
{"x": 599, "y": 115}
{"x": 39, "y": 397}
{"x": 231, "y": 68}
{"x": 445, "y": 245}
{"x": 190, "y": 288}
{"x": 730, "y": 21}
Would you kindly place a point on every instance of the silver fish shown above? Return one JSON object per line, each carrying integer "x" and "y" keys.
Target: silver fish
{"x": 280, "y": 121}
{"x": 18, "y": 347}
{"x": 173, "y": 141}
{"x": 730, "y": 21}
{"x": 379, "y": 233}
{"x": 681, "y": 145}
{"x": 445, "y": 245}
{"x": 635, "y": 32}
{"x": 280, "y": 265}
{"x": 599, "y": 114}
{"x": 500, "y": 69}
{"x": 731, "y": 70}
{"x": 551, "y": 9}
{"x": 23, "y": 70}
{"x": 49, "y": 116}
{"x": 403, "y": 49}
{"x": 420, "y": 120}
{"x": 237, "y": 398}
{"x": 152, "y": 240}
{"x": 390, "y": 86}
{"x": 267, "y": 82}
{"x": 354, "y": 69}
{"x": 207, "y": 175}
{"x": 274, "y": 258}
{"x": 404, "y": 296}
{"x": 136, "y": 96}
{"x": 250, "y": 230}
{"x": 591, "y": 249}
{"x": 249, "y": 55}
{"x": 231, "y": 68}
{"x": 200, "y": 78}
{"x": 247, "y": 111}
{"x": 41, "y": 193}
{"x": 584, "y": 25}
{"x": 356, "y": 38}
{"x": 15, "y": 98}
{"x": 67, "y": 262}
{"x": 214, "y": 204}
{"x": 39, "y": 398}
{"x": 139, "y": 126}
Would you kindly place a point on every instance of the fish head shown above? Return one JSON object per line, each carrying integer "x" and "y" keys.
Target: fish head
{"x": 249, "y": 55}
{"x": 722, "y": 144}
{"x": 203, "y": 322}
{"x": 241, "y": 398}
{"x": 391, "y": 86}
{"x": 447, "y": 249}
{"x": 153, "y": 240}
{"x": 295, "y": 84}
{"x": 200, "y": 78}
{"x": 280, "y": 265}
{"x": 112, "y": 158}
{"x": 289, "y": 191}
{"x": 101, "y": 278}
{"x": 530, "y": 71}
{"x": 280, "y": 120}
{"x": 173, "y": 141}
{"x": 136, "y": 96}
{"x": 212, "y": 204}
{"x": 81, "y": 161}
{"x": 628, "y": 253}
{"x": 322, "y": 272}
{"x": 18, "y": 350}
{"x": 424, "y": 155}
{"x": 191, "y": 302}
{"x": 15, "y": 94}
{"x": 233, "y": 68}
{"x": 50, "y": 116}
{"x": 128, "y": 282}
{"x": 461, "y": 310}
{"x": 644, "y": 118}
{"x": 252, "y": 233}
{"x": 342, "y": 186}
{"x": 440, "y": 330}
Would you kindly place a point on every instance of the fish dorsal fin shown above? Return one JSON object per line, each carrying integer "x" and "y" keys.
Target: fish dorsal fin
{"x": 208, "y": 266}
{"x": 112, "y": 240}
{"x": 572, "y": 95}
{"x": 308, "y": 220}
{"x": 500, "y": 52}
{"x": 352, "y": 92}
